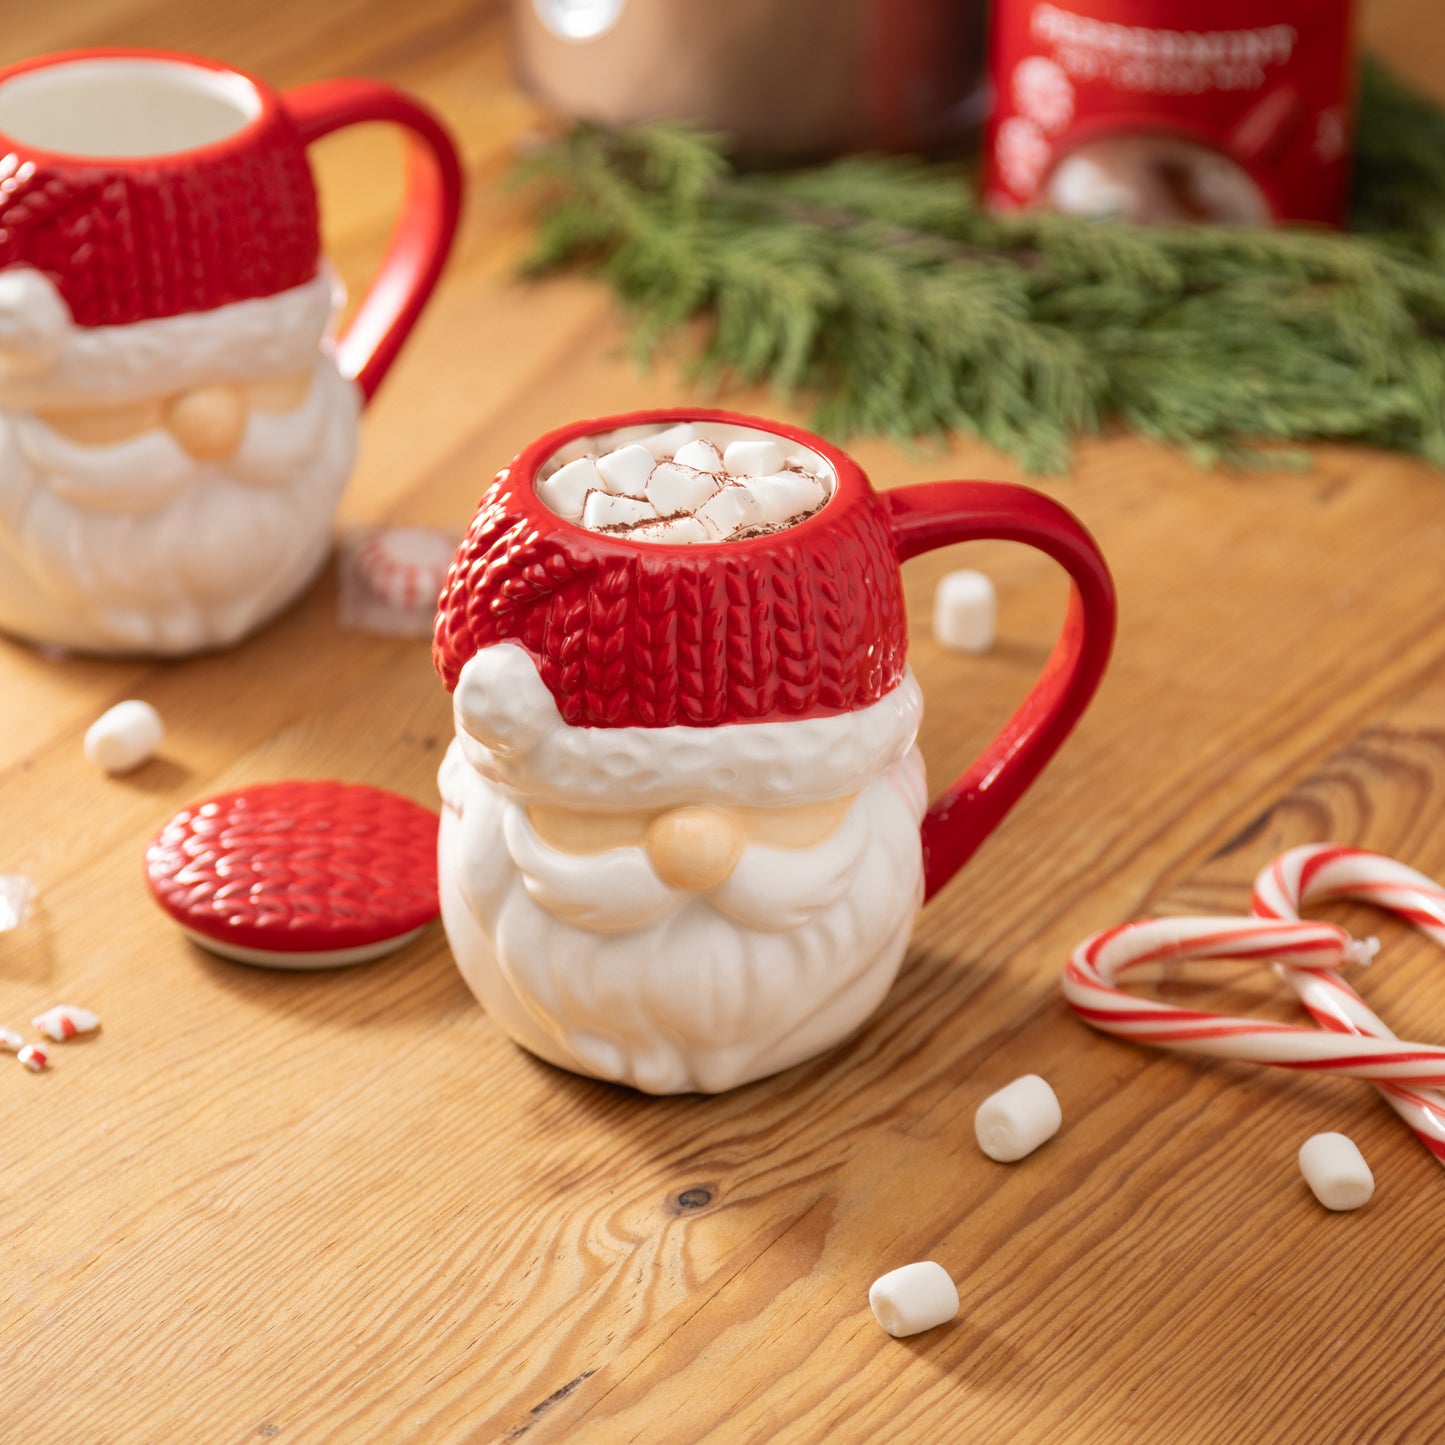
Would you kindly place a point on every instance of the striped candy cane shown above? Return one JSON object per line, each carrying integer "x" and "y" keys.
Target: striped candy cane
{"x": 1305, "y": 954}
{"x": 1318, "y": 871}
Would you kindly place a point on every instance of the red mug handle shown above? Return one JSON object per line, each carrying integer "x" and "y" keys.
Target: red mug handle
{"x": 424, "y": 230}
{"x": 939, "y": 513}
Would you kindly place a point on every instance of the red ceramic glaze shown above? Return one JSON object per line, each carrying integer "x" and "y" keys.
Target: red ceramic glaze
{"x": 229, "y": 221}
{"x": 298, "y": 867}
{"x": 803, "y": 597}
{"x": 815, "y": 614}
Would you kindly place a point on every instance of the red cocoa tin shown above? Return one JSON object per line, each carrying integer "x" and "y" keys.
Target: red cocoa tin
{"x": 1239, "y": 111}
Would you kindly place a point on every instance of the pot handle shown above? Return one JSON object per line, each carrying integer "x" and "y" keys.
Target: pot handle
{"x": 939, "y": 513}
{"x": 424, "y": 229}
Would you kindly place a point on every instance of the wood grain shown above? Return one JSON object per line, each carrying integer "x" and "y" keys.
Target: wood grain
{"x": 343, "y": 1208}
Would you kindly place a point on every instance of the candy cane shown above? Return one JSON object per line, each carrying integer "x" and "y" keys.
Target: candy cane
{"x": 1096, "y": 964}
{"x": 1306, "y": 955}
{"x": 1317, "y": 871}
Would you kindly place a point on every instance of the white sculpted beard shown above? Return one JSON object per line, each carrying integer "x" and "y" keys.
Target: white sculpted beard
{"x": 138, "y": 547}
{"x": 595, "y": 963}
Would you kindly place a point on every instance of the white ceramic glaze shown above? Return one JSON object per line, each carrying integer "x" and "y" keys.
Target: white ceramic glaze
{"x": 577, "y": 957}
{"x": 128, "y": 106}
{"x": 685, "y": 825}
{"x": 509, "y": 730}
{"x": 191, "y": 532}
{"x": 177, "y": 420}
{"x": 302, "y": 962}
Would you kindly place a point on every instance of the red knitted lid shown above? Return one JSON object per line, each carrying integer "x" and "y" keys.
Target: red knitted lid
{"x": 134, "y": 239}
{"x": 298, "y": 867}
{"x": 804, "y": 623}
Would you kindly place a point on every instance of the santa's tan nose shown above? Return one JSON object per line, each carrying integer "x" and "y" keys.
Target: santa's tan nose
{"x": 208, "y": 422}
{"x": 694, "y": 848}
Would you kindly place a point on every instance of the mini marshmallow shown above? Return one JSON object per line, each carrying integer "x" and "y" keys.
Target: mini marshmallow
{"x": 605, "y": 510}
{"x": 125, "y": 737}
{"x": 17, "y": 893}
{"x": 626, "y": 470}
{"x": 10, "y": 1041}
{"x": 673, "y": 488}
{"x": 1336, "y": 1171}
{"x": 565, "y": 491}
{"x": 33, "y": 1057}
{"x": 701, "y": 456}
{"x": 665, "y": 443}
{"x": 782, "y": 496}
{"x": 914, "y": 1298}
{"x": 674, "y": 530}
{"x": 753, "y": 458}
{"x": 1017, "y": 1119}
{"x": 965, "y": 612}
{"x": 65, "y": 1021}
{"x": 730, "y": 510}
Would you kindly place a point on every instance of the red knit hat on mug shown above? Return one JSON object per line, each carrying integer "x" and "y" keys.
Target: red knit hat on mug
{"x": 140, "y": 238}
{"x": 655, "y": 650}
{"x": 110, "y": 267}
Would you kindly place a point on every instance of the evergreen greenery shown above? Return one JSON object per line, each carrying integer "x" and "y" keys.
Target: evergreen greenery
{"x": 881, "y": 288}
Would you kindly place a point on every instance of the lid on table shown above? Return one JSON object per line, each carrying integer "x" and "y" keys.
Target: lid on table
{"x": 299, "y": 874}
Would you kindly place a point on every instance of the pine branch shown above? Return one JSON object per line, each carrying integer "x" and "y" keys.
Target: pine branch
{"x": 881, "y": 287}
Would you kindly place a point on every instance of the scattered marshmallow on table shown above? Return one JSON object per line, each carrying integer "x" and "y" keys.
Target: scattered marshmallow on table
{"x": 1017, "y": 1119}
{"x": 34, "y": 1058}
{"x": 965, "y": 612}
{"x": 914, "y": 1298}
{"x": 1336, "y": 1171}
{"x": 17, "y": 893}
{"x": 125, "y": 737}
{"x": 11, "y": 1042}
{"x": 65, "y": 1021}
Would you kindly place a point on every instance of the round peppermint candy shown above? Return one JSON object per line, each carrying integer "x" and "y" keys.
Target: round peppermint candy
{"x": 299, "y": 874}
{"x": 406, "y": 566}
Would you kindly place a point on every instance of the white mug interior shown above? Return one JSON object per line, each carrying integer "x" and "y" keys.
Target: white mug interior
{"x": 122, "y": 107}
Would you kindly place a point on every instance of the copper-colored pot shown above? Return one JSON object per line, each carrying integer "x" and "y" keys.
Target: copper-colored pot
{"x": 785, "y": 79}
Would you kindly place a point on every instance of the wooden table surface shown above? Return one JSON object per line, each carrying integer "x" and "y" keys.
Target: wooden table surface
{"x": 343, "y": 1207}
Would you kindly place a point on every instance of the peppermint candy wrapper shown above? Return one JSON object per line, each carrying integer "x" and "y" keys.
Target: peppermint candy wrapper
{"x": 390, "y": 578}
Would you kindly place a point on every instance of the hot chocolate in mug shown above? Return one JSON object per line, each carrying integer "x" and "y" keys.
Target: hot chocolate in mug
{"x": 176, "y": 424}
{"x": 685, "y": 825}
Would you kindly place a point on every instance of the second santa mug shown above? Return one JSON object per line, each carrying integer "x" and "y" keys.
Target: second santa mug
{"x": 176, "y": 424}
{"x": 686, "y": 827}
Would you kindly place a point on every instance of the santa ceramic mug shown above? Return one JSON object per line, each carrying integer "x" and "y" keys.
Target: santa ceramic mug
{"x": 176, "y": 424}
{"x": 686, "y": 827}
